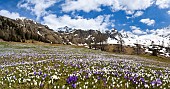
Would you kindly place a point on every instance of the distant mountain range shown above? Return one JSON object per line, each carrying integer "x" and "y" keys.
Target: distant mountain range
{"x": 21, "y": 30}
{"x": 157, "y": 37}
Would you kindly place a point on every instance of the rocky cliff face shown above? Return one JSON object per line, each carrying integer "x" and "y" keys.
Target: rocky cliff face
{"x": 79, "y": 36}
{"x": 20, "y": 30}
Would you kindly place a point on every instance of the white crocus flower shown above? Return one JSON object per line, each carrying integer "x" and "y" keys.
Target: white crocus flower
{"x": 146, "y": 86}
{"x": 55, "y": 77}
{"x": 63, "y": 86}
{"x": 55, "y": 87}
{"x": 35, "y": 83}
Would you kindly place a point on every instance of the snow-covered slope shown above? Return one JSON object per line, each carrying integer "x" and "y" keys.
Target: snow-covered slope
{"x": 159, "y": 37}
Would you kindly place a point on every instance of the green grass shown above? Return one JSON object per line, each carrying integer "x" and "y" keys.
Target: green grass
{"x": 156, "y": 58}
{"x": 64, "y": 61}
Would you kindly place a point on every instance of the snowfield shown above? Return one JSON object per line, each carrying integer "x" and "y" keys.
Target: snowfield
{"x": 159, "y": 37}
{"x": 28, "y": 66}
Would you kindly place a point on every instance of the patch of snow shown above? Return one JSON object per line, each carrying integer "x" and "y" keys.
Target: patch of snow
{"x": 158, "y": 36}
{"x": 88, "y": 37}
{"x": 39, "y": 33}
{"x": 112, "y": 41}
{"x": 86, "y": 46}
{"x": 70, "y": 43}
{"x": 80, "y": 44}
{"x": 147, "y": 51}
{"x": 75, "y": 34}
{"x": 167, "y": 55}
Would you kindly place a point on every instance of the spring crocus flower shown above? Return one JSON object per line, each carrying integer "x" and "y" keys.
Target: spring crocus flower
{"x": 40, "y": 73}
{"x": 153, "y": 83}
{"x": 146, "y": 85}
{"x": 35, "y": 73}
{"x": 74, "y": 85}
{"x": 41, "y": 85}
{"x": 45, "y": 75}
{"x": 143, "y": 80}
{"x": 72, "y": 79}
{"x": 158, "y": 82}
{"x": 63, "y": 87}
{"x": 54, "y": 77}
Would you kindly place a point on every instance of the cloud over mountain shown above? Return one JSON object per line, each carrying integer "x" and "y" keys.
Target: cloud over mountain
{"x": 148, "y": 21}
{"x": 98, "y": 23}
{"x": 12, "y": 15}
{"x": 37, "y": 7}
{"x": 92, "y": 14}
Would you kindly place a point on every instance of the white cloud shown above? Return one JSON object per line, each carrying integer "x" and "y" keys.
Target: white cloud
{"x": 38, "y": 7}
{"x": 90, "y": 5}
{"x": 137, "y": 31}
{"x": 162, "y": 4}
{"x": 148, "y": 21}
{"x": 85, "y": 5}
{"x": 128, "y": 12}
{"x": 127, "y": 17}
{"x": 12, "y": 15}
{"x": 138, "y": 13}
{"x": 134, "y": 27}
{"x": 54, "y": 22}
{"x": 168, "y": 12}
{"x": 136, "y": 4}
{"x": 115, "y": 5}
{"x": 134, "y": 14}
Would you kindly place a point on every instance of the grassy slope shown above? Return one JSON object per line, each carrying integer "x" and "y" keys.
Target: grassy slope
{"x": 149, "y": 57}
{"x": 68, "y": 69}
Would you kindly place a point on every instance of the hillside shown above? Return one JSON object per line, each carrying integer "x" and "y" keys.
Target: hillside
{"x": 32, "y": 66}
{"x": 21, "y": 30}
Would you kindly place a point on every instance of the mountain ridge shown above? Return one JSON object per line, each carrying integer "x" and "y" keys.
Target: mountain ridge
{"x": 20, "y": 30}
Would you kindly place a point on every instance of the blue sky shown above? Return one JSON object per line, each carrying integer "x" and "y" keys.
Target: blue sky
{"x": 130, "y": 15}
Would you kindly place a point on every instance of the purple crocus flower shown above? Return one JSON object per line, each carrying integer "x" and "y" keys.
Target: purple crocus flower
{"x": 87, "y": 76}
{"x": 159, "y": 82}
{"x": 125, "y": 77}
{"x": 45, "y": 75}
{"x": 153, "y": 83}
{"x": 159, "y": 73}
{"x": 40, "y": 73}
{"x": 35, "y": 73}
{"x": 131, "y": 78}
{"x": 104, "y": 79}
{"x": 72, "y": 79}
{"x": 143, "y": 80}
{"x": 1, "y": 67}
{"x": 74, "y": 85}
{"x": 41, "y": 85}
{"x": 98, "y": 78}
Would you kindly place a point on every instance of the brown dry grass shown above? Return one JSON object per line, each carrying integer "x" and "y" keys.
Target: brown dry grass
{"x": 129, "y": 50}
{"x": 36, "y": 43}
{"x": 156, "y": 58}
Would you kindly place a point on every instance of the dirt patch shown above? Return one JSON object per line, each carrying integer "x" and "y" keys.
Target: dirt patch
{"x": 1, "y": 40}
